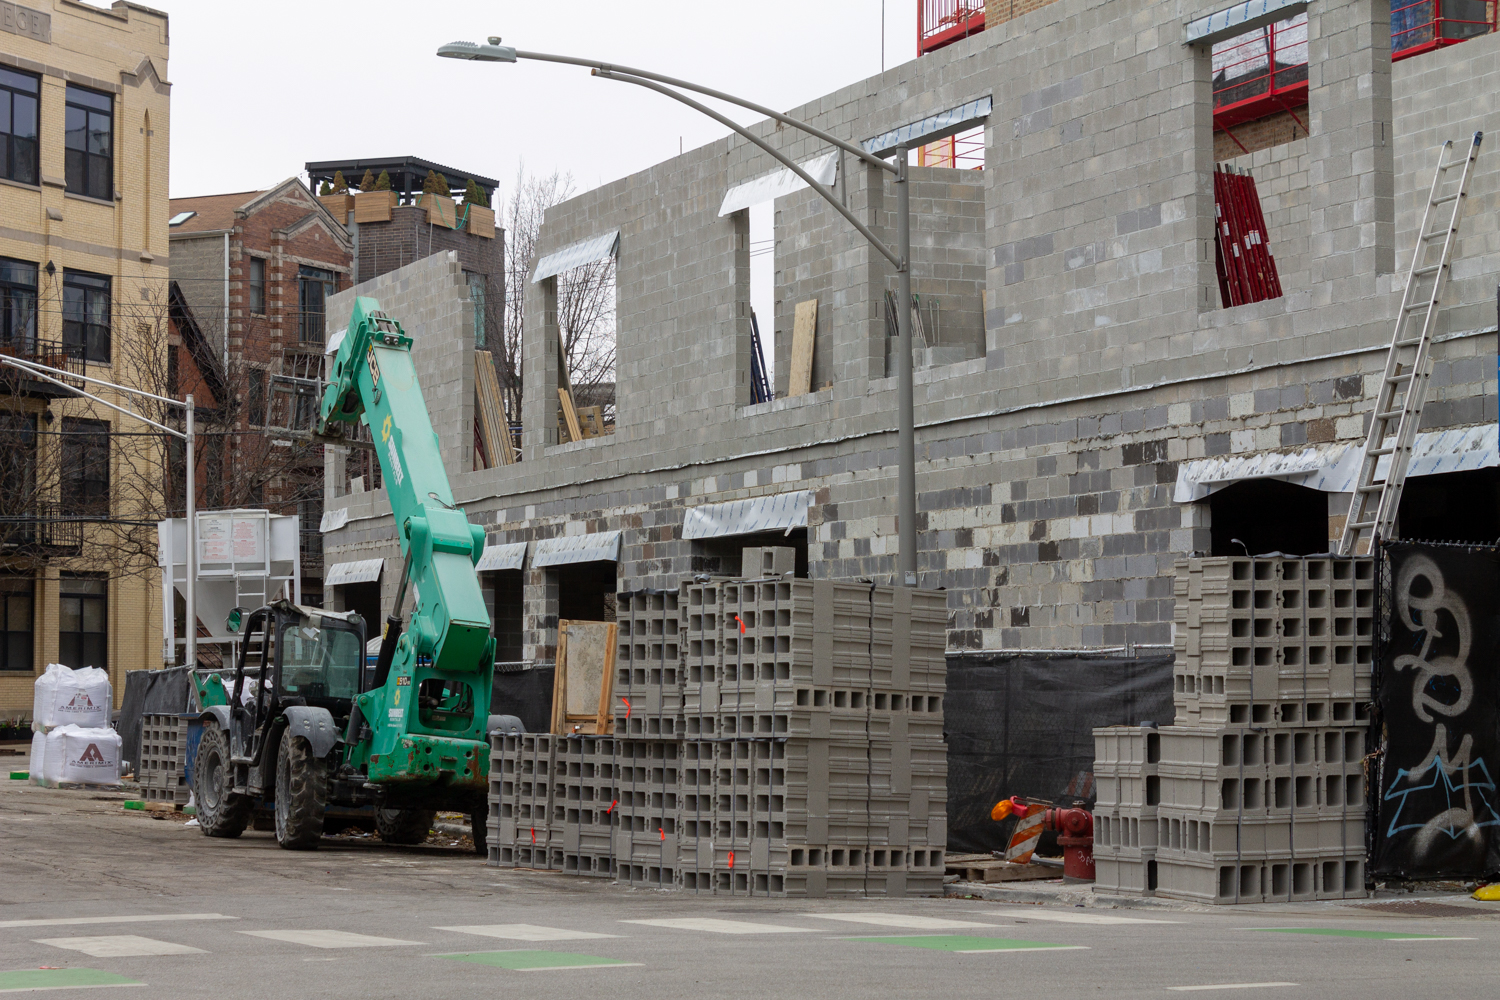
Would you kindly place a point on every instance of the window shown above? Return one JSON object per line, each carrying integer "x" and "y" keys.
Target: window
{"x": 314, "y": 287}
{"x": 17, "y": 305}
{"x": 17, "y": 476}
{"x": 85, "y": 467}
{"x": 82, "y": 634}
{"x": 258, "y": 286}
{"x": 180, "y": 218}
{"x": 257, "y": 396}
{"x": 16, "y": 601}
{"x": 89, "y": 143}
{"x": 18, "y": 117}
{"x": 86, "y": 314}
{"x": 476, "y": 284}
{"x": 1258, "y": 516}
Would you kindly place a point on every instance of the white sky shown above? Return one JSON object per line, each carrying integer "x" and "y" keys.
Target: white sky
{"x": 261, "y": 88}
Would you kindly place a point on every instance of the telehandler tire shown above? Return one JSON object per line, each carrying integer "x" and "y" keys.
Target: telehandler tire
{"x": 404, "y": 826}
{"x": 301, "y": 794}
{"x": 221, "y": 812}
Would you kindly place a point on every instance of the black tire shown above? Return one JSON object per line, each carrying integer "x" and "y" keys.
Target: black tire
{"x": 221, "y": 812}
{"x": 480, "y": 831}
{"x": 404, "y": 826}
{"x": 301, "y": 794}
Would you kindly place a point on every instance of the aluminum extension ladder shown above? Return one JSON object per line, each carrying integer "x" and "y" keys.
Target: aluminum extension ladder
{"x": 1408, "y": 365}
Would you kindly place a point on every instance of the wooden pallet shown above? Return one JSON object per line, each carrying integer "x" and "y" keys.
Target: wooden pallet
{"x": 985, "y": 868}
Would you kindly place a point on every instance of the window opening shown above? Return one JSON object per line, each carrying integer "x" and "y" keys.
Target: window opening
{"x": 476, "y": 283}
{"x": 1242, "y": 254}
{"x": 505, "y": 595}
{"x": 85, "y": 467}
{"x": 964, "y": 151}
{"x": 725, "y": 556}
{"x": 1260, "y": 516}
{"x": 586, "y": 591}
{"x": 18, "y": 126}
{"x": 18, "y": 305}
{"x": 258, "y": 286}
{"x": 1423, "y": 25}
{"x": 89, "y": 143}
{"x": 314, "y": 287}
{"x": 1451, "y": 507}
{"x": 762, "y": 239}
{"x": 17, "y": 599}
{"x": 82, "y": 633}
{"x": 86, "y": 314}
{"x": 365, "y": 599}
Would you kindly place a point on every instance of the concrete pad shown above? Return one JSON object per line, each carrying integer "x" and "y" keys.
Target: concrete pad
{"x": 318, "y": 938}
{"x": 120, "y": 946}
{"x": 713, "y": 925}
{"x": 524, "y": 932}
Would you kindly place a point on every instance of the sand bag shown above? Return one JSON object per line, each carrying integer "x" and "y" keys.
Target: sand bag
{"x": 89, "y": 756}
{"x": 64, "y": 697}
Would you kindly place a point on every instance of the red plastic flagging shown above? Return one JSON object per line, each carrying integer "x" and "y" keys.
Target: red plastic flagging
{"x": 1247, "y": 271}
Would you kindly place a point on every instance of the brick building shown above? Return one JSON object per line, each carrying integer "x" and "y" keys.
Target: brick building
{"x": 254, "y": 271}
{"x": 84, "y": 125}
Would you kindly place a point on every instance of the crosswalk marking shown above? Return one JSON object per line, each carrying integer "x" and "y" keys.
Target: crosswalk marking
{"x": 1064, "y": 917}
{"x": 538, "y": 961}
{"x": 714, "y": 925}
{"x": 967, "y": 945}
{"x": 1227, "y": 986}
{"x": 901, "y": 920}
{"x": 120, "y": 946}
{"x": 328, "y": 939}
{"x": 524, "y": 932}
{"x": 137, "y": 918}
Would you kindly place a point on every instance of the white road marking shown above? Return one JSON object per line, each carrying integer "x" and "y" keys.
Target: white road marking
{"x": 1411, "y": 940}
{"x": 328, "y": 939}
{"x": 1229, "y": 986}
{"x": 901, "y": 920}
{"x": 1008, "y": 951}
{"x": 46, "y": 989}
{"x": 524, "y": 932}
{"x": 120, "y": 946}
{"x": 1064, "y": 917}
{"x": 716, "y": 926}
{"x": 559, "y": 968}
{"x": 138, "y": 918}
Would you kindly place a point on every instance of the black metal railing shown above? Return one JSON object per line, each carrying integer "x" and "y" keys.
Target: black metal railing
{"x": 41, "y": 529}
{"x": 52, "y": 353}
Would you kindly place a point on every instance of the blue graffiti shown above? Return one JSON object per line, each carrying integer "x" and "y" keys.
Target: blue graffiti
{"x": 1464, "y": 792}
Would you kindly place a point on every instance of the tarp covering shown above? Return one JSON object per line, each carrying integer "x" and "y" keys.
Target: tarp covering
{"x": 148, "y": 691}
{"x": 779, "y": 512}
{"x": 1437, "y": 723}
{"x": 504, "y": 556}
{"x": 333, "y": 520}
{"x": 526, "y": 694}
{"x": 929, "y": 129}
{"x": 1334, "y": 468}
{"x": 1022, "y": 724}
{"x": 600, "y": 546}
{"x": 769, "y": 187}
{"x": 577, "y": 255}
{"x": 359, "y": 571}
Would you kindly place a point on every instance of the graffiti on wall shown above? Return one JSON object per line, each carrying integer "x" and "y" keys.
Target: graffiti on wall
{"x": 1435, "y": 812}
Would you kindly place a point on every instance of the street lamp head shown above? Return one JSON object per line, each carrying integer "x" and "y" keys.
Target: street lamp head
{"x": 491, "y": 52}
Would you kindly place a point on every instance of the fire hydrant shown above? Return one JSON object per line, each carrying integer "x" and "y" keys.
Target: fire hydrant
{"x": 1075, "y": 835}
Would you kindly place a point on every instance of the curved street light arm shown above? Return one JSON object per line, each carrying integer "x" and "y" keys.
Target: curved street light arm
{"x": 786, "y": 161}
{"x": 13, "y": 363}
{"x": 37, "y": 366}
{"x": 846, "y": 146}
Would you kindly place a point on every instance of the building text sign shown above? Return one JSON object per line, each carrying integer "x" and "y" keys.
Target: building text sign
{"x": 24, "y": 21}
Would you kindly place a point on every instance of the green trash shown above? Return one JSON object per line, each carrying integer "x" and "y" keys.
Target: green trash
{"x": 20, "y": 775}
{"x": 135, "y": 804}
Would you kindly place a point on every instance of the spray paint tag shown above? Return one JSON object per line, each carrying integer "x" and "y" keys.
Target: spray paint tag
{"x": 731, "y": 859}
{"x": 627, "y": 705}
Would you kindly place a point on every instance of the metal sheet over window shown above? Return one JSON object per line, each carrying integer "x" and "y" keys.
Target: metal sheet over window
{"x": 1334, "y": 468}
{"x": 781, "y": 512}
{"x": 823, "y": 169}
{"x": 577, "y": 255}
{"x": 504, "y": 556}
{"x": 359, "y": 571}
{"x": 601, "y": 546}
{"x": 927, "y": 130}
{"x": 1241, "y": 18}
{"x": 333, "y": 520}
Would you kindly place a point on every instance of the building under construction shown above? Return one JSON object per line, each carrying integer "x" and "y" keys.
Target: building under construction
{"x": 1103, "y": 386}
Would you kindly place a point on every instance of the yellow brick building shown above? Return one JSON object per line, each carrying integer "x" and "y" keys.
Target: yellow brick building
{"x": 84, "y": 124}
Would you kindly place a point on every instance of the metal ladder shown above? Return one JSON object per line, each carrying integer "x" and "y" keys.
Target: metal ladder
{"x": 1403, "y": 387}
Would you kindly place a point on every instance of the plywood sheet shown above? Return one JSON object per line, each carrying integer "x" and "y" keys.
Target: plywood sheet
{"x": 804, "y": 329}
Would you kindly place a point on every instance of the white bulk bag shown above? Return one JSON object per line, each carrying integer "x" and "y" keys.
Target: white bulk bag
{"x": 64, "y": 697}
{"x": 38, "y": 755}
{"x": 90, "y": 756}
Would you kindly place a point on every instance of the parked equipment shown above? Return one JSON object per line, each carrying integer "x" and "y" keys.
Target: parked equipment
{"x": 306, "y": 728}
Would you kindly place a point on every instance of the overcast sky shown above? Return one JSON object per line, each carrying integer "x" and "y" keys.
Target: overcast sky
{"x": 260, "y": 89}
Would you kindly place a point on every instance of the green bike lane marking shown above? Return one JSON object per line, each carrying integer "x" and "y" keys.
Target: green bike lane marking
{"x": 536, "y": 961}
{"x": 32, "y": 980}
{"x": 1368, "y": 935}
{"x": 967, "y": 945}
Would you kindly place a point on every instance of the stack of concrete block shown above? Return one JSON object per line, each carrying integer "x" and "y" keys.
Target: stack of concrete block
{"x": 793, "y": 748}
{"x": 523, "y": 793}
{"x": 1257, "y": 794}
{"x": 161, "y": 771}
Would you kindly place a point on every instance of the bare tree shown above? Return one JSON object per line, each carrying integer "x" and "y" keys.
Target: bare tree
{"x": 585, "y": 299}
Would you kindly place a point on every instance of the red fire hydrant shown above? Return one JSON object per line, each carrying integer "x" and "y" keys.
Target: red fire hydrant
{"x": 1075, "y": 830}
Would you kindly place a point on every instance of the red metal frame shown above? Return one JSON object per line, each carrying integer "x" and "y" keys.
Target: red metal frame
{"x": 1423, "y": 25}
{"x": 1260, "y": 73}
{"x": 1247, "y": 271}
{"x": 964, "y": 151}
{"x": 943, "y": 22}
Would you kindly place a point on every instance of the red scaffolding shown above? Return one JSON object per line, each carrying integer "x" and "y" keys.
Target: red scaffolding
{"x": 1247, "y": 272}
{"x": 943, "y": 22}
{"x": 1423, "y": 25}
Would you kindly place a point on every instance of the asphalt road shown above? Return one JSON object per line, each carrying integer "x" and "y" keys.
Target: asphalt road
{"x": 91, "y": 896}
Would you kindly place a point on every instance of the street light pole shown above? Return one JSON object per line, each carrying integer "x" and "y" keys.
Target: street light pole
{"x": 900, "y": 256}
{"x": 190, "y": 628}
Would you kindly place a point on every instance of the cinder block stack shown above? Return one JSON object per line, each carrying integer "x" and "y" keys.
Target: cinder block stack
{"x": 161, "y": 771}
{"x": 1257, "y": 793}
{"x": 794, "y": 748}
{"x": 522, "y": 830}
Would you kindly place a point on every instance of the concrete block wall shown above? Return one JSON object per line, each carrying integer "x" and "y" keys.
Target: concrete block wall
{"x": 1045, "y": 470}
